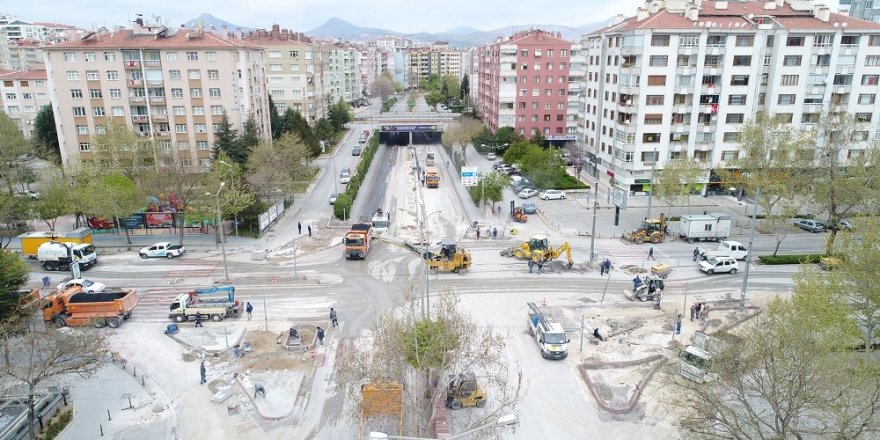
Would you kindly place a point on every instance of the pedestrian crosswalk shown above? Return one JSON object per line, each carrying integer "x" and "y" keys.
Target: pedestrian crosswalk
{"x": 622, "y": 252}
{"x": 187, "y": 269}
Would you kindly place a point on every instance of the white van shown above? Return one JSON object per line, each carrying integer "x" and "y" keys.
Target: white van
{"x": 719, "y": 265}
{"x": 733, "y": 249}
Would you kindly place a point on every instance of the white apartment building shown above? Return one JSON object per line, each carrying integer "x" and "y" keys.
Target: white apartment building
{"x": 170, "y": 86}
{"x": 436, "y": 59}
{"x": 23, "y": 94}
{"x": 680, "y": 78}
{"x": 345, "y": 78}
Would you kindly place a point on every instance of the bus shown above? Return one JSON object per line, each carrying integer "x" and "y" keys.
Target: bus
{"x": 432, "y": 177}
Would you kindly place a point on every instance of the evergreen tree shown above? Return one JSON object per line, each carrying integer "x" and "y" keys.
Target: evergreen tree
{"x": 246, "y": 141}
{"x": 45, "y": 137}
{"x": 224, "y": 138}
{"x": 275, "y": 119}
{"x": 324, "y": 129}
{"x": 296, "y": 124}
{"x": 340, "y": 114}
{"x": 465, "y": 87}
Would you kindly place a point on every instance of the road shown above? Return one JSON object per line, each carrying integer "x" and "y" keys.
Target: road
{"x": 495, "y": 291}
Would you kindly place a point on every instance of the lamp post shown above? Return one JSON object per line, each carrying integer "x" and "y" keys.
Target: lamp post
{"x": 427, "y": 309}
{"x": 651, "y": 183}
{"x": 505, "y": 420}
{"x": 222, "y": 233}
{"x": 494, "y": 147}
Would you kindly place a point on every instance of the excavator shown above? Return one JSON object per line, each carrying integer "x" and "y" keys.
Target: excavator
{"x": 450, "y": 258}
{"x": 538, "y": 247}
{"x": 653, "y": 230}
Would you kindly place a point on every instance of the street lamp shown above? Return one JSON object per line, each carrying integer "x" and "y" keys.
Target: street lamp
{"x": 505, "y": 420}
{"x": 425, "y": 257}
{"x": 494, "y": 147}
{"x": 222, "y": 233}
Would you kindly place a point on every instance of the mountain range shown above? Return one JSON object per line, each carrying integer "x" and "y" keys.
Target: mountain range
{"x": 459, "y": 37}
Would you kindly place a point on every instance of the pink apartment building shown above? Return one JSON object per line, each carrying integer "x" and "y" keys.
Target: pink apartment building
{"x": 523, "y": 83}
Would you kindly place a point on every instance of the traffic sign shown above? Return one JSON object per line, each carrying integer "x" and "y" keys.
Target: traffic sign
{"x": 470, "y": 176}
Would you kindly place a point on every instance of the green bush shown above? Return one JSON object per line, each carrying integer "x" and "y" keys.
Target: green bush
{"x": 790, "y": 259}
{"x": 386, "y": 106}
{"x": 567, "y": 181}
{"x": 58, "y": 424}
{"x": 342, "y": 207}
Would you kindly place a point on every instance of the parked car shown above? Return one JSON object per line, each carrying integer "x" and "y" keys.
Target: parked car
{"x": 28, "y": 194}
{"x": 846, "y": 225}
{"x": 548, "y": 194}
{"x": 529, "y": 208}
{"x": 498, "y": 165}
{"x": 528, "y": 192}
{"x": 719, "y": 265}
{"x": 333, "y": 198}
{"x": 514, "y": 172}
{"x": 490, "y": 156}
{"x": 87, "y": 285}
{"x": 345, "y": 176}
{"x": 810, "y": 225}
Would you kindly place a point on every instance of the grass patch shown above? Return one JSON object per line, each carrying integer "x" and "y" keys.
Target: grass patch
{"x": 57, "y": 424}
{"x": 790, "y": 259}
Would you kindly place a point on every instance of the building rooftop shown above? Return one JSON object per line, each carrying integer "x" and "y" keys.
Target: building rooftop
{"x": 158, "y": 38}
{"x": 23, "y": 74}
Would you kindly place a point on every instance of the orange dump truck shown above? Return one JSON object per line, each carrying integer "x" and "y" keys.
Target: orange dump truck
{"x": 73, "y": 307}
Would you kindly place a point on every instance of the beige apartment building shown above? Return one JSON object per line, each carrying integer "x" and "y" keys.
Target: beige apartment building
{"x": 23, "y": 94}
{"x": 437, "y": 58}
{"x": 171, "y": 86}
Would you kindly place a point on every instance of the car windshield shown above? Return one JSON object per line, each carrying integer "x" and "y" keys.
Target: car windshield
{"x": 86, "y": 283}
{"x": 713, "y": 261}
{"x": 554, "y": 338}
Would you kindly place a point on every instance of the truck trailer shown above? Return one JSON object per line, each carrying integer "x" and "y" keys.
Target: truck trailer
{"x": 31, "y": 241}
{"x": 708, "y": 227}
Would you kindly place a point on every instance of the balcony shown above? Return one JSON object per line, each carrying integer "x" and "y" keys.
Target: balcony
{"x": 132, "y": 64}
{"x": 152, "y": 63}
{"x": 631, "y": 68}
{"x": 627, "y": 50}
{"x": 137, "y": 99}
{"x": 160, "y": 116}
{"x": 155, "y": 82}
{"x": 157, "y": 99}
{"x": 163, "y": 134}
{"x": 139, "y": 118}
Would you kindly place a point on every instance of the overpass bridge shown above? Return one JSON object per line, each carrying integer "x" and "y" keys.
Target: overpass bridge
{"x": 410, "y": 128}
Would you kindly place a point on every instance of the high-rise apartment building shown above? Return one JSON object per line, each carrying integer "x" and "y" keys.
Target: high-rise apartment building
{"x": 523, "y": 83}
{"x": 172, "y": 87}
{"x": 864, "y": 9}
{"x": 23, "y": 94}
{"x": 345, "y": 77}
{"x": 679, "y": 79}
{"x": 436, "y": 59}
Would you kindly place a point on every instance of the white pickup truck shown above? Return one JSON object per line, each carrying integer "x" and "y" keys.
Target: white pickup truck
{"x": 160, "y": 250}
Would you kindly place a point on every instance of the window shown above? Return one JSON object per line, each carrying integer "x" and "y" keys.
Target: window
{"x": 201, "y": 145}
{"x": 866, "y": 98}
{"x": 712, "y": 61}
{"x": 813, "y": 99}
{"x": 786, "y": 100}
{"x": 117, "y": 111}
{"x": 214, "y": 92}
{"x": 95, "y": 93}
{"x": 683, "y": 61}
{"x": 729, "y": 155}
{"x": 89, "y": 57}
{"x": 784, "y": 118}
{"x": 109, "y": 56}
{"x": 742, "y": 60}
{"x": 70, "y": 57}
{"x": 182, "y": 145}
{"x": 656, "y": 80}
{"x": 790, "y": 80}
{"x": 859, "y": 136}
{"x": 72, "y": 75}
{"x": 810, "y": 118}
{"x": 100, "y": 129}
{"x": 843, "y": 79}
{"x": 192, "y": 56}
{"x": 76, "y": 93}
{"x": 195, "y": 93}
{"x": 735, "y": 118}
{"x": 863, "y": 117}
{"x": 792, "y": 60}
{"x": 213, "y": 74}
{"x": 198, "y": 110}
{"x": 524, "y": 53}
{"x": 216, "y": 110}
{"x": 79, "y": 111}
{"x": 177, "y": 93}
{"x": 739, "y": 80}
{"x": 275, "y": 68}
{"x": 115, "y": 93}
{"x": 211, "y": 55}
{"x": 654, "y": 100}
{"x": 85, "y": 146}
{"x": 736, "y": 100}
{"x": 870, "y": 80}
{"x": 98, "y": 111}
{"x": 716, "y": 40}
{"x": 689, "y": 40}
{"x": 82, "y": 129}
{"x": 113, "y": 75}
{"x": 846, "y": 60}
{"x": 653, "y": 118}
{"x": 849, "y": 40}
{"x": 651, "y": 138}
{"x": 731, "y": 136}
{"x": 824, "y": 40}
{"x": 200, "y": 128}
{"x": 92, "y": 75}
{"x": 171, "y": 56}
{"x": 872, "y": 60}
{"x": 180, "y": 128}
{"x": 179, "y": 110}
{"x": 193, "y": 74}
{"x": 660, "y": 40}
{"x": 874, "y": 40}
{"x": 794, "y": 41}
{"x": 821, "y": 60}
{"x": 658, "y": 60}
{"x": 768, "y": 60}
{"x": 745, "y": 40}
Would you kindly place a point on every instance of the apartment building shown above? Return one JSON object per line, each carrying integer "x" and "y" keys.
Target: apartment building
{"x": 23, "y": 94}
{"x": 522, "y": 82}
{"x": 679, "y": 79}
{"x": 345, "y": 78}
{"x": 864, "y": 9}
{"x": 436, "y": 58}
{"x": 172, "y": 87}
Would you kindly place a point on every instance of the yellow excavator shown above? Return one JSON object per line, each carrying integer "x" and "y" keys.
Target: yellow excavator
{"x": 537, "y": 248}
{"x": 653, "y": 230}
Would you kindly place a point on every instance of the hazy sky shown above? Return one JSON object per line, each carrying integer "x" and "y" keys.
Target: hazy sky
{"x": 406, "y": 16}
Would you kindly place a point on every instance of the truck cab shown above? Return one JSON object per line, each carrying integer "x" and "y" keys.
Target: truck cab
{"x": 55, "y": 255}
{"x": 381, "y": 221}
{"x": 357, "y": 241}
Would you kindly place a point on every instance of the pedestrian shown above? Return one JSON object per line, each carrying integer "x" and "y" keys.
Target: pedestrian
{"x": 651, "y": 252}
{"x": 699, "y": 306}
{"x": 597, "y": 335}
{"x": 541, "y": 265}
{"x": 494, "y": 233}
{"x": 693, "y": 311}
{"x": 259, "y": 389}
{"x": 202, "y": 372}
{"x": 696, "y": 255}
{"x": 310, "y": 230}
{"x": 333, "y": 320}
{"x": 499, "y": 209}
{"x": 299, "y": 228}
{"x": 321, "y": 335}
{"x": 531, "y": 264}
{"x": 602, "y": 268}
{"x": 249, "y": 309}
{"x": 678, "y": 324}
{"x": 478, "y": 233}
{"x": 199, "y": 318}
{"x": 636, "y": 281}
{"x": 704, "y": 314}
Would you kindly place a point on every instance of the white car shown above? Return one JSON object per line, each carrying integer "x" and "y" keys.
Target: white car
{"x": 490, "y": 156}
{"x": 333, "y": 198}
{"x": 87, "y": 285}
{"x": 551, "y": 194}
{"x": 528, "y": 192}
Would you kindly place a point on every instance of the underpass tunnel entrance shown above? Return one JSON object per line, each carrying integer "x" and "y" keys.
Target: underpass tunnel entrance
{"x": 410, "y": 134}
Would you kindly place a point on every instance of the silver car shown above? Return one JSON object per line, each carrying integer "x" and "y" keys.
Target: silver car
{"x": 549, "y": 194}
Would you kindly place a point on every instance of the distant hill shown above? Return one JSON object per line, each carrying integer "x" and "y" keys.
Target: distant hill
{"x": 208, "y": 20}
{"x": 338, "y": 28}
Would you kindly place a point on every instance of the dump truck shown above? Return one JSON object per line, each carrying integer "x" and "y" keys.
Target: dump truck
{"x": 548, "y": 333}
{"x": 54, "y": 255}
{"x": 653, "y": 230}
{"x": 357, "y": 241}
{"x": 31, "y": 241}
{"x": 538, "y": 248}
{"x": 216, "y": 305}
{"x": 709, "y": 227}
{"x": 73, "y": 307}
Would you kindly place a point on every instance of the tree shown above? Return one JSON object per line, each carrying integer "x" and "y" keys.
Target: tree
{"x": 491, "y": 188}
{"x": 340, "y": 114}
{"x": 13, "y": 214}
{"x": 113, "y": 195}
{"x": 383, "y": 87}
{"x": 433, "y": 98}
{"x": 246, "y": 141}
{"x": 424, "y": 352}
{"x": 12, "y": 146}
{"x": 235, "y": 198}
{"x": 297, "y": 125}
{"x": 119, "y": 148}
{"x": 678, "y": 178}
{"x": 452, "y": 88}
{"x": 43, "y": 356}
{"x": 465, "y": 91}
{"x": 324, "y": 130}
{"x": 45, "y": 135}
{"x": 54, "y": 202}
{"x": 182, "y": 183}
{"x": 225, "y": 138}
{"x": 15, "y": 273}
{"x": 275, "y": 119}
{"x": 273, "y": 169}
{"x": 431, "y": 83}
{"x": 841, "y": 173}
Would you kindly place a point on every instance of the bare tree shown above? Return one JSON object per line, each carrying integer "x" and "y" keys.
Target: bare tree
{"x": 678, "y": 179}
{"x": 121, "y": 149}
{"x": 35, "y": 359}
{"x": 182, "y": 183}
{"x": 54, "y": 202}
{"x": 424, "y": 353}
{"x": 276, "y": 166}
{"x": 382, "y": 87}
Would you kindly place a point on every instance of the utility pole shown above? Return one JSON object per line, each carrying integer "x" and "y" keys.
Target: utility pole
{"x": 651, "y": 184}
{"x": 742, "y": 294}
{"x": 593, "y": 232}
